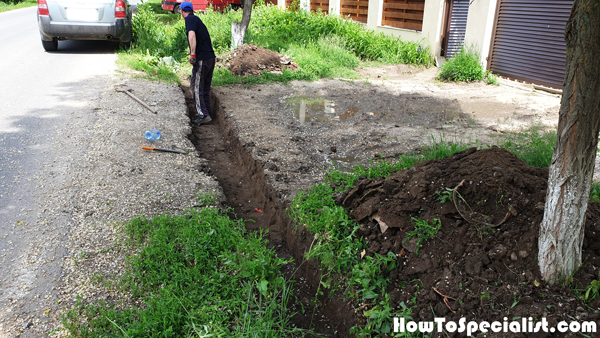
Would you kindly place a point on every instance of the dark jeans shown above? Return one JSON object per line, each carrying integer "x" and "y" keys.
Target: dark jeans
{"x": 200, "y": 85}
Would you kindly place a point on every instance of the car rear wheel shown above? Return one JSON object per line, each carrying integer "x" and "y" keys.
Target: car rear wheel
{"x": 177, "y": 9}
{"x": 126, "y": 45}
{"x": 50, "y": 46}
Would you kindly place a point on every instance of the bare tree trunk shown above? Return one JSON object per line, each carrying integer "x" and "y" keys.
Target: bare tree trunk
{"x": 561, "y": 232}
{"x": 238, "y": 29}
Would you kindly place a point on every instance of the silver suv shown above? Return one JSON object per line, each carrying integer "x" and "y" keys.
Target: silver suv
{"x": 84, "y": 20}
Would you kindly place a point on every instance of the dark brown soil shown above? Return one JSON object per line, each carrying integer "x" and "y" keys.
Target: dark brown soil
{"x": 489, "y": 271}
{"x": 251, "y": 60}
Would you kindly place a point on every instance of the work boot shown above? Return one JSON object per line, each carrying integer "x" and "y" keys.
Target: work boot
{"x": 203, "y": 120}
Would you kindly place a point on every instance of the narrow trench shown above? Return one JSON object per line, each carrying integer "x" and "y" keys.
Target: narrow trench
{"x": 253, "y": 199}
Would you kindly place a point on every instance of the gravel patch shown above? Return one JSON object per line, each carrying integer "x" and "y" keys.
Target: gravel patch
{"x": 110, "y": 179}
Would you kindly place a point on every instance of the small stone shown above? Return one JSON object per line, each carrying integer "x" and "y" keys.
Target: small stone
{"x": 579, "y": 309}
{"x": 529, "y": 275}
{"x": 441, "y": 309}
{"x": 512, "y": 210}
{"x": 513, "y": 256}
{"x": 523, "y": 254}
{"x": 497, "y": 252}
{"x": 27, "y": 325}
{"x": 411, "y": 245}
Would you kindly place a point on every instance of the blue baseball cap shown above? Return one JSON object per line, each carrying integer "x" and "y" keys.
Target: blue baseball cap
{"x": 187, "y": 6}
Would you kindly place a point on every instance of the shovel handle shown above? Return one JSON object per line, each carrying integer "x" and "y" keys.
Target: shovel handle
{"x": 164, "y": 150}
{"x": 140, "y": 101}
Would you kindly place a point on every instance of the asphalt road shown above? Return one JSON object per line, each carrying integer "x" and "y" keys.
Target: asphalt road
{"x": 40, "y": 93}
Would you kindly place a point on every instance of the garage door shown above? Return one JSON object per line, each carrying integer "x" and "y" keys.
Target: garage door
{"x": 528, "y": 41}
{"x": 458, "y": 27}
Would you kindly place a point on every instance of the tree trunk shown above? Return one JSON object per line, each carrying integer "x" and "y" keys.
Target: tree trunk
{"x": 561, "y": 232}
{"x": 238, "y": 29}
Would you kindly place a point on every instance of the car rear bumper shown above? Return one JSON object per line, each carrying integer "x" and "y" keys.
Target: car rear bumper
{"x": 82, "y": 30}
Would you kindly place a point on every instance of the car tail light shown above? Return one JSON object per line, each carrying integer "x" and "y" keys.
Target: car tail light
{"x": 119, "y": 9}
{"x": 43, "y": 7}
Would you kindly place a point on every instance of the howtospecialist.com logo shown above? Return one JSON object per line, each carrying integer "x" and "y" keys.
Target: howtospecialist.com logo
{"x": 524, "y": 325}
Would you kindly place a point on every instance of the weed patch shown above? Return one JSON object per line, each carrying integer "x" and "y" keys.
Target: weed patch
{"x": 322, "y": 45}
{"x": 533, "y": 145}
{"x": 465, "y": 67}
{"x": 423, "y": 231}
{"x": 199, "y": 273}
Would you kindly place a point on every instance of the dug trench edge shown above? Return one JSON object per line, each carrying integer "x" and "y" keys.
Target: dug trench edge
{"x": 284, "y": 236}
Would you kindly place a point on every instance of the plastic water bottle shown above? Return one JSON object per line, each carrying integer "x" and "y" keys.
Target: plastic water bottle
{"x": 152, "y": 135}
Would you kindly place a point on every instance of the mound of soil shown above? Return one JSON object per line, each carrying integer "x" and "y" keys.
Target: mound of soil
{"x": 253, "y": 60}
{"x": 484, "y": 258}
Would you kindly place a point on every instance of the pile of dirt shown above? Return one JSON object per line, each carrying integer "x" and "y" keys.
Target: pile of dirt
{"x": 251, "y": 60}
{"x": 484, "y": 258}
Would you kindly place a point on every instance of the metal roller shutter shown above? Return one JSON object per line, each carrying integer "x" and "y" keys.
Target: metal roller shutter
{"x": 528, "y": 41}
{"x": 458, "y": 27}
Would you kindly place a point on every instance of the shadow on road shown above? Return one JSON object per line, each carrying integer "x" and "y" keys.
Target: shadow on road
{"x": 86, "y": 47}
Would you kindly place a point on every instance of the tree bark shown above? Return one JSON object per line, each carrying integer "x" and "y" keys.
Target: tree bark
{"x": 561, "y": 232}
{"x": 238, "y": 29}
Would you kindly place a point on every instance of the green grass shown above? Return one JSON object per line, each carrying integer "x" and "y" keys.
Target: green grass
{"x": 197, "y": 274}
{"x": 595, "y": 192}
{"x": 322, "y": 46}
{"x": 534, "y": 145}
{"x": 466, "y": 67}
{"x": 6, "y": 5}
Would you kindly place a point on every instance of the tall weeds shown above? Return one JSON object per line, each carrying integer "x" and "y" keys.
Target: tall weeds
{"x": 322, "y": 45}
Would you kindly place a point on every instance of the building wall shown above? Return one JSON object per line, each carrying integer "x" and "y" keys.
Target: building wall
{"x": 480, "y": 24}
{"x": 430, "y": 34}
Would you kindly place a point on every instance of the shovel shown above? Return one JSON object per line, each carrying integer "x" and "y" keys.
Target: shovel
{"x": 125, "y": 89}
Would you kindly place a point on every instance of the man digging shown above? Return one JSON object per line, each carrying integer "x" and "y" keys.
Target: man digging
{"x": 202, "y": 57}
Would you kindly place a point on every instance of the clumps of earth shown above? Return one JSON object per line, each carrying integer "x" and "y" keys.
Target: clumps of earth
{"x": 251, "y": 60}
{"x": 482, "y": 264}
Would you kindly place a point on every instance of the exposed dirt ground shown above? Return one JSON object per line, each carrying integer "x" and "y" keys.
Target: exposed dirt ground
{"x": 298, "y": 130}
{"x": 112, "y": 180}
{"x": 269, "y": 141}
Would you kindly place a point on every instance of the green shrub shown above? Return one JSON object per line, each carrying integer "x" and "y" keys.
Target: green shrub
{"x": 465, "y": 67}
{"x": 157, "y": 39}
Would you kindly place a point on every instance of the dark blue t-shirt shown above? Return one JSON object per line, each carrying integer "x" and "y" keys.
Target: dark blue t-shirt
{"x": 204, "y": 50}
